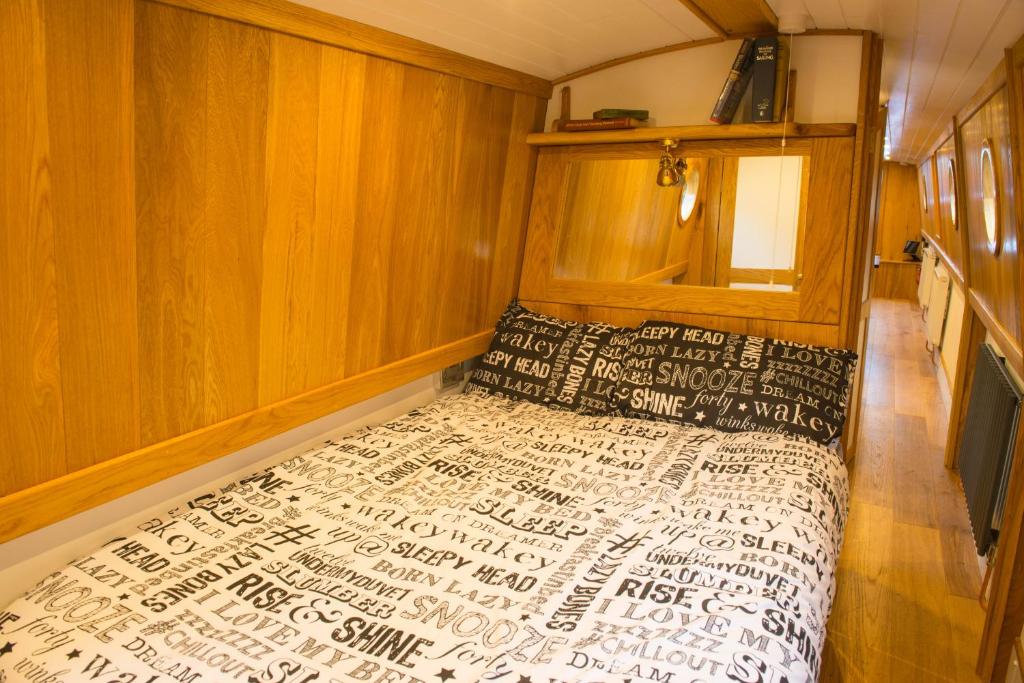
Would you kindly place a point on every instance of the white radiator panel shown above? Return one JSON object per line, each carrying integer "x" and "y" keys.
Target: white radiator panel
{"x": 924, "y": 286}
{"x": 938, "y": 302}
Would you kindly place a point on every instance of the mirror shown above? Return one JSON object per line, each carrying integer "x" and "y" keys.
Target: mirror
{"x": 951, "y": 189}
{"x": 990, "y": 197}
{"x": 735, "y": 221}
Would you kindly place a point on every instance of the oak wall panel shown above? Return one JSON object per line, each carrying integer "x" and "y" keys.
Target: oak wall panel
{"x": 92, "y": 200}
{"x": 243, "y": 224}
{"x": 31, "y": 413}
{"x": 993, "y": 278}
{"x": 948, "y": 237}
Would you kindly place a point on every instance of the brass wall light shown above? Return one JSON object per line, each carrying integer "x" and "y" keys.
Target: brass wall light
{"x": 671, "y": 171}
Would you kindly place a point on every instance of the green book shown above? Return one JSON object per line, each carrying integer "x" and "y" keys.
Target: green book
{"x": 638, "y": 114}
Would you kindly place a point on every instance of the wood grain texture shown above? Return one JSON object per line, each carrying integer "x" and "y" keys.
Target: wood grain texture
{"x": 736, "y": 17}
{"x": 88, "y": 55}
{"x": 827, "y": 236}
{"x": 171, "y": 51}
{"x": 948, "y": 187}
{"x": 734, "y": 131}
{"x": 896, "y": 280}
{"x": 994, "y": 279}
{"x": 305, "y": 22}
{"x": 32, "y": 438}
{"x": 238, "y": 217}
{"x": 899, "y": 215}
{"x": 57, "y": 498}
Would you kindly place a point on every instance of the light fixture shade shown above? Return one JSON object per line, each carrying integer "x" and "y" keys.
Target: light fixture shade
{"x": 667, "y": 173}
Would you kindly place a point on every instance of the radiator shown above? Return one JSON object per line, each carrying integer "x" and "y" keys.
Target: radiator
{"x": 924, "y": 285}
{"x": 987, "y": 443}
{"x": 938, "y": 303}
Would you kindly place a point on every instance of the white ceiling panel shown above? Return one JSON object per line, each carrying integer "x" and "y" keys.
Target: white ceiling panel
{"x": 547, "y": 38}
{"x": 937, "y": 54}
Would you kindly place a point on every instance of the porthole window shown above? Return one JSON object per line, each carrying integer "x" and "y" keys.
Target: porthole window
{"x": 990, "y": 197}
{"x": 688, "y": 198}
{"x": 951, "y": 189}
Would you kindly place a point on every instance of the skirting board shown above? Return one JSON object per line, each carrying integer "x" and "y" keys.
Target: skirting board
{"x": 60, "y": 498}
{"x": 39, "y": 553}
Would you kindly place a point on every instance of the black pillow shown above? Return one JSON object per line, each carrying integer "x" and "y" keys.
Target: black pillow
{"x": 560, "y": 363}
{"x": 735, "y": 382}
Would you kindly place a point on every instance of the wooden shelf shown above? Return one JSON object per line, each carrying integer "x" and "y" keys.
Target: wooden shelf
{"x": 712, "y": 132}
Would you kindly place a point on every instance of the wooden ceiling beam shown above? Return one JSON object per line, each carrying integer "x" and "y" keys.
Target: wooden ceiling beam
{"x": 736, "y": 17}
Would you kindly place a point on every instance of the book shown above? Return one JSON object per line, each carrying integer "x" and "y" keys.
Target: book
{"x": 735, "y": 83}
{"x": 620, "y": 123}
{"x": 638, "y": 114}
{"x": 762, "y": 81}
{"x": 781, "y": 78}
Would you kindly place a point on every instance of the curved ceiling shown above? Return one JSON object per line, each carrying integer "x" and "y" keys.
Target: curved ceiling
{"x": 937, "y": 52}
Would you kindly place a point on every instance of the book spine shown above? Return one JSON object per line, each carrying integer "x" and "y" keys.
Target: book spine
{"x": 599, "y": 124}
{"x": 762, "y": 104}
{"x": 734, "y": 85}
{"x": 638, "y": 114}
{"x": 781, "y": 78}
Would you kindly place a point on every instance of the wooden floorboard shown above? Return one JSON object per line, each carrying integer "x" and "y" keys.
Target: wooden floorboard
{"x": 906, "y": 605}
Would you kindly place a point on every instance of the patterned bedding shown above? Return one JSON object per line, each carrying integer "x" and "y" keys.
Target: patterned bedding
{"x": 475, "y": 538}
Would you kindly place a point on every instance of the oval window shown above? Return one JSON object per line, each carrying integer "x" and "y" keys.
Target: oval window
{"x": 688, "y": 197}
{"x": 951, "y": 190}
{"x": 990, "y": 197}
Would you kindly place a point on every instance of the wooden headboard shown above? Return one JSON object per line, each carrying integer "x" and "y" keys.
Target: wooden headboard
{"x": 222, "y": 220}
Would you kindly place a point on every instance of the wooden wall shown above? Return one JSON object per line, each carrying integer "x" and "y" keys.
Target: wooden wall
{"x": 899, "y": 220}
{"x": 215, "y": 229}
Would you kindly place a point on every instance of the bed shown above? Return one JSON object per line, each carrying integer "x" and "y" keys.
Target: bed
{"x": 476, "y": 538}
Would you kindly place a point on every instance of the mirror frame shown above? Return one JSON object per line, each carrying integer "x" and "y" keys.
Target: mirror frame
{"x": 991, "y": 219}
{"x": 827, "y": 251}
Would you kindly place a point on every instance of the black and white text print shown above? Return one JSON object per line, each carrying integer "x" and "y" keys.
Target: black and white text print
{"x": 735, "y": 382}
{"x": 474, "y": 539}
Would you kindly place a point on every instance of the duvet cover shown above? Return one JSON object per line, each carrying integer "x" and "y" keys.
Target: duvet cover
{"x": 473, "y": 539}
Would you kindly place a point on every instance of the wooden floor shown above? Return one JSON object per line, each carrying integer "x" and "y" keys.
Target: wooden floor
{"x": 906, "y": 607}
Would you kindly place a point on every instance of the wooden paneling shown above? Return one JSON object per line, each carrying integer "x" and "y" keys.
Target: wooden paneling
{"x": 899, "y": 216}
{"x": 58, "y": 498}
{"x": 945, "y": 232}
{"x": 243, "y": 224}
{"x": 994, "y": 279}
{"x": 93, "y": 208}
{"x": 31, "y": 412}
{"x": 330, "y": 29}
{"x": 896, "y": 280}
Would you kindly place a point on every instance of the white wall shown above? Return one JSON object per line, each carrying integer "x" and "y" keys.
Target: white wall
{"x": 680, "y": 88}
{"x": 29, "y": 558}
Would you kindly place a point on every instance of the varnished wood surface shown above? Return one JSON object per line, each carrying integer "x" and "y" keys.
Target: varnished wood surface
{"x": 949, "y": 238}
{"x": 736, "y": 17}
{"x": 732, "y": 131}
{"x": 203, "y": 218}
{"x": 330, "y": 29}
{"x": 61, "y": 497}
{"x": 899, "y": 216}
{"x": 825, "y": 255}
{"x": 906, "y": 607}
{"x": 994, "y": 279}
{"x": 896, "y": 280}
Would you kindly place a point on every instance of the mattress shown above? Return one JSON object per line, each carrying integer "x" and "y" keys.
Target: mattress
{"x": 475, "y": 538}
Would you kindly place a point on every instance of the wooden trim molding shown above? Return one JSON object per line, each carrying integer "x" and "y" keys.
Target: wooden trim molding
{"x": 57, "y": 499}
{"x": 734, "y": 131}
{"x": 736, "y": 17}
{"x": 305, "y": 22}
{"x": 1006, "y": 341}
{"x": 940, "y": 251}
